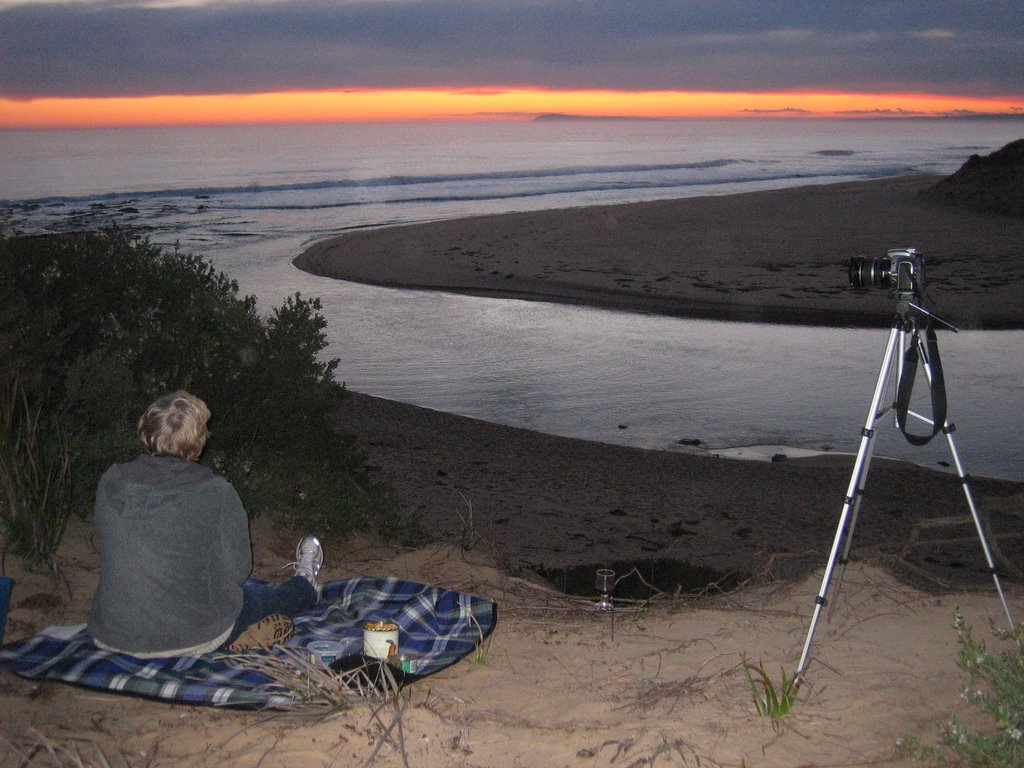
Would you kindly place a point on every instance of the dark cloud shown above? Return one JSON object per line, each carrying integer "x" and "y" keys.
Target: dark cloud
{"x": 783, "y": 111}
{"x": 134, "y": 49}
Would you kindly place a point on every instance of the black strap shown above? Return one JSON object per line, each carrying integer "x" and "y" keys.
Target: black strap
{"x": 906, "y": 386}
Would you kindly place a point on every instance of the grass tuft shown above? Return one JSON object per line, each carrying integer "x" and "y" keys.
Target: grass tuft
{"x": 309, "y": 684}
{"x": 770, "y": 700}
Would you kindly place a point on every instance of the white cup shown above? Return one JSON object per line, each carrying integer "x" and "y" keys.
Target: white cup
{"x": 380, "y": 639}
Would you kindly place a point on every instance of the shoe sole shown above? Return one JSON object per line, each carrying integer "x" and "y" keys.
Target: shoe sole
{"x": 265, "y": 633}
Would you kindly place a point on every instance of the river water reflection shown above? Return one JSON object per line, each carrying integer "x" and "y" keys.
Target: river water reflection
{"x": 651, "y": 381}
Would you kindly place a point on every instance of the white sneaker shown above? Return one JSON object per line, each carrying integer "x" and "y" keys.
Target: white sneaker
{"x": 309, "y": 558}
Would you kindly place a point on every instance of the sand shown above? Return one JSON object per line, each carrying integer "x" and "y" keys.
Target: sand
{"x": 561, "y": 685}
{"x": 777, "y": 256}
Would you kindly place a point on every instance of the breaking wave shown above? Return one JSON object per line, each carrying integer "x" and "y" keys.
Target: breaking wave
{"x": 461, "y": 187}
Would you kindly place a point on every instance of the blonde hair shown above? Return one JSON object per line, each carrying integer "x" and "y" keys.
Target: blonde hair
{"x": 175, "y": 425}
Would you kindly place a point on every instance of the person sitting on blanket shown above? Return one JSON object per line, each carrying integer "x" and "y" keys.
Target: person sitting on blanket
{"x": 175, "y": 554}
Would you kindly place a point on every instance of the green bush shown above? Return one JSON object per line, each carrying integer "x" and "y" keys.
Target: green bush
{"x": 96, "y": 325}
{"x": 996, "y": 685}
{"x": 34, "y": 471}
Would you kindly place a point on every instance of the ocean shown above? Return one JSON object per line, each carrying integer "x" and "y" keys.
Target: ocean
{"x": 250, "y": 198}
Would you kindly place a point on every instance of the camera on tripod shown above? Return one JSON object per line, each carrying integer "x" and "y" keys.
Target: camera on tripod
{"x": 912, "y": 342}
{"x": 901, "y": 270}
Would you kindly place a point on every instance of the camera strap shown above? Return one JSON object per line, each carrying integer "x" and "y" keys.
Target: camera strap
{"x": 906, "y": 386}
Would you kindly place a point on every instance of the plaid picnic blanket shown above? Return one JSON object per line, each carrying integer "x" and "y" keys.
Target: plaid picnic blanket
{"x": 438, "y": 625}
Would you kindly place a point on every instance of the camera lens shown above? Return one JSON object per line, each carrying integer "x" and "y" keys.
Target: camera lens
{"x": 867, "y": 273}
{"x": 858, "y": 271}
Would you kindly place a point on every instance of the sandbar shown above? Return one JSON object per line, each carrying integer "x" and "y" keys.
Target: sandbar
{"x": 769, "y": 256}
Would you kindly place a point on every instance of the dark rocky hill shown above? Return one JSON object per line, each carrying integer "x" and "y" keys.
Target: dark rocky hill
{"x": 992, "y": 183}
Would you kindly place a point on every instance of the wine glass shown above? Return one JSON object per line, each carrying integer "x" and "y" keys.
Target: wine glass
{"x": 604, "y": 582}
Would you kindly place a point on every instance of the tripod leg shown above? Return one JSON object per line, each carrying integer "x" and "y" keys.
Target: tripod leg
{"x": 845, "y": 557}
{"x": 855, "y": 489}
{"x": 948, "y": 430}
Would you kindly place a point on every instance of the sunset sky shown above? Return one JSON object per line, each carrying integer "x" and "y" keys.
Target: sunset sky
{"x": 158, "y": 62}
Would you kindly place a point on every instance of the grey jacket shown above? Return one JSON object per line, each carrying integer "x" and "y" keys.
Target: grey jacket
{"x": 175, "y": 551}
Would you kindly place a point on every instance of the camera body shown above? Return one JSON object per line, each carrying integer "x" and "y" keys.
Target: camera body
{"x": 901, "y": 270}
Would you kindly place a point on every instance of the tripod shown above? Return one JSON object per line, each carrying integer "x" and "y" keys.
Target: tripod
{"x": 905, "y": 347}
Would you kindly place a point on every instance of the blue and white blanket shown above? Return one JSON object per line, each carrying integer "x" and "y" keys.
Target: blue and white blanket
{"x": 439, "y": 626}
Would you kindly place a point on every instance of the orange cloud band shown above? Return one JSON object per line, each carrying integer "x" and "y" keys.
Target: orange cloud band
{"x": 481, "y": 103}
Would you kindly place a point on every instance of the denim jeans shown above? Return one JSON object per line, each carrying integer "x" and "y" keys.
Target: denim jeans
{"x": 261, "y": 599}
